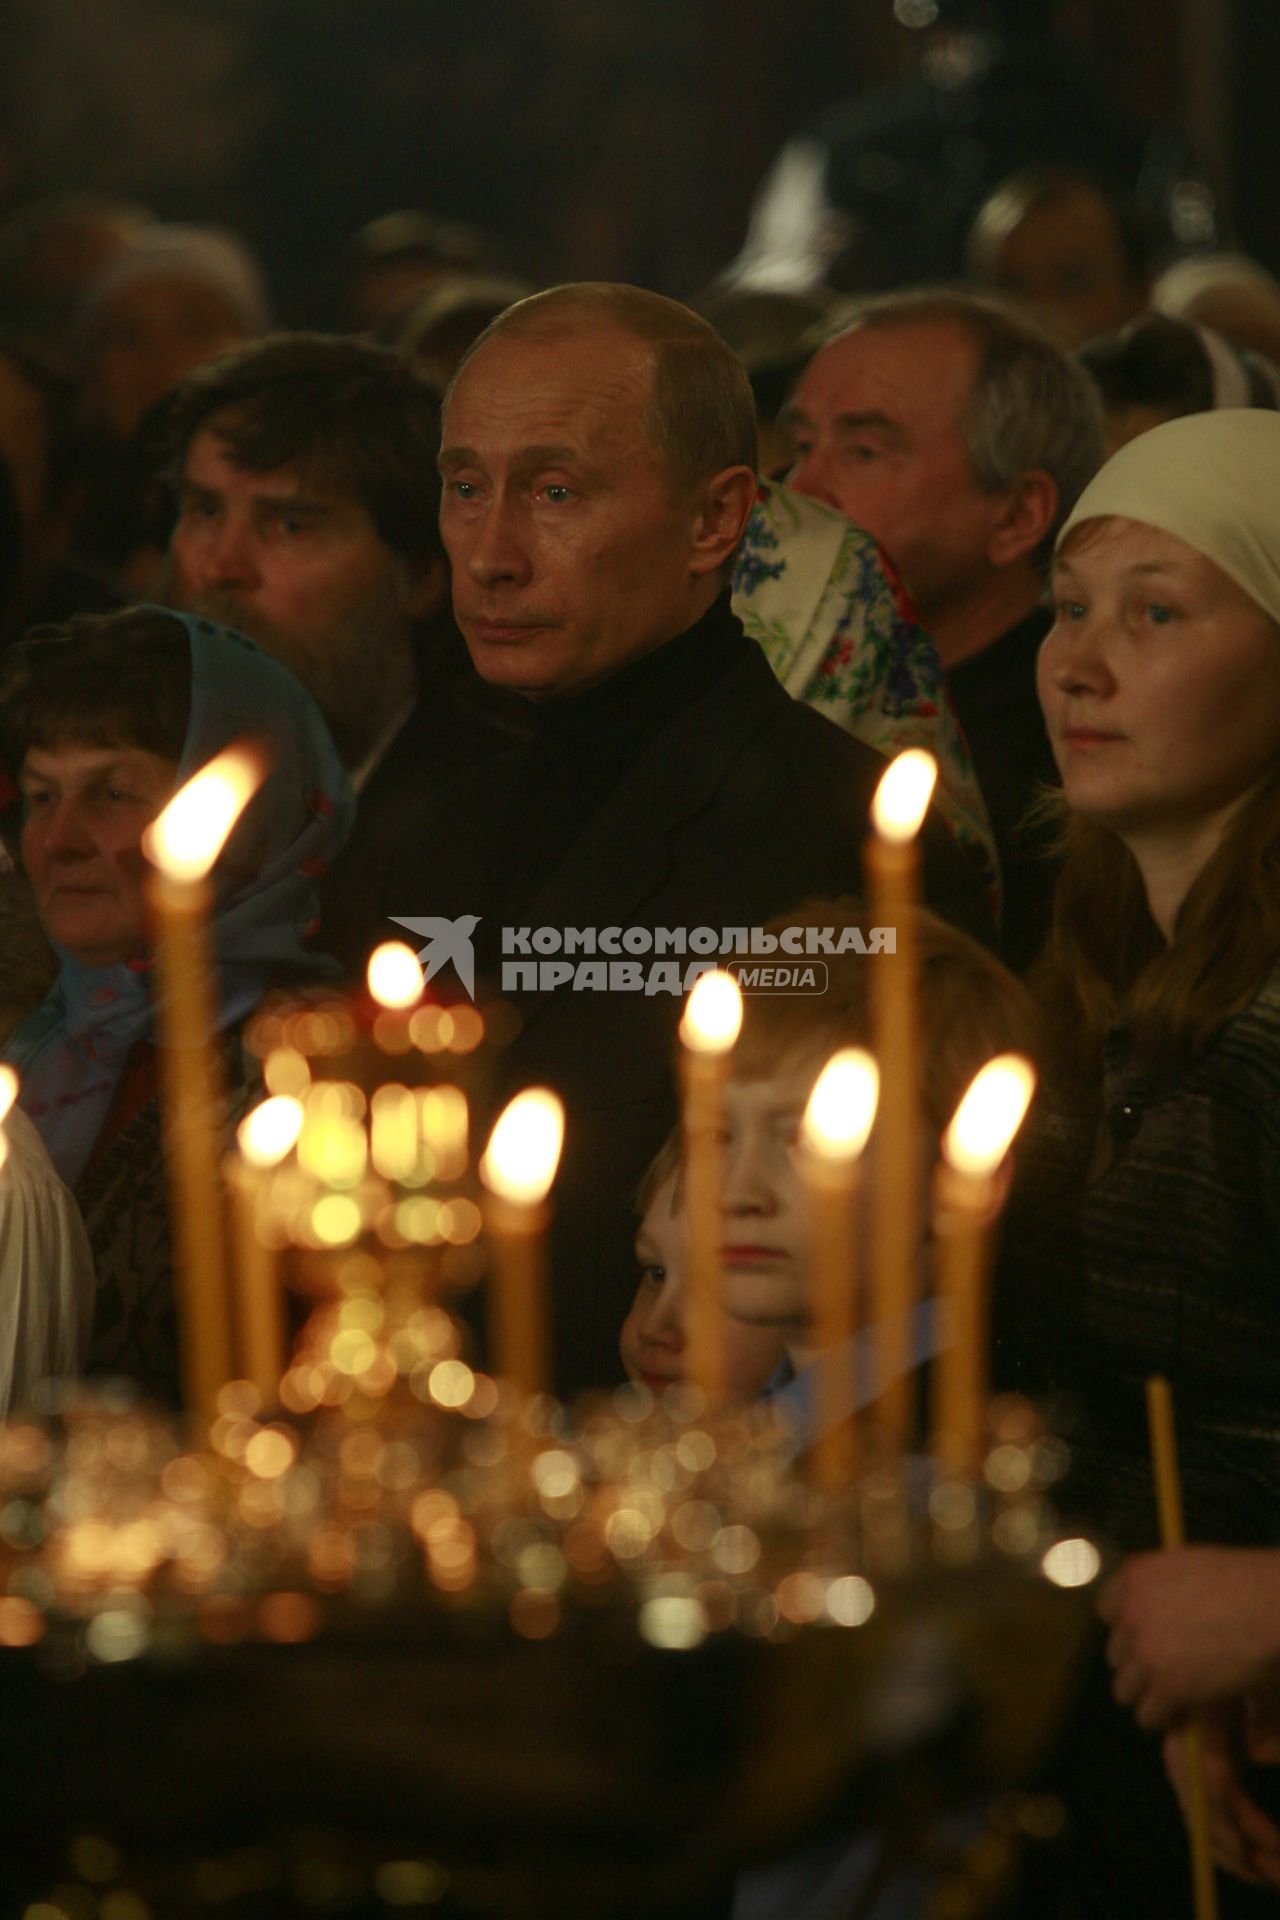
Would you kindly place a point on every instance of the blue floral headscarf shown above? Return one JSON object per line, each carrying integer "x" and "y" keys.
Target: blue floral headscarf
{"x": 72, "y": 1050}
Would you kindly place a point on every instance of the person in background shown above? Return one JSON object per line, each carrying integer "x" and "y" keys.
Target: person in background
{"x": 1158, "y": 369}
{"x": 393, "y": 260}
{"x": 1065, "y": 250}
{"x": 772, "y": 332}
{"x": 960, "y": 439}
{"x": 51, "y": 252}
{"x": 104, "y": 719}
{"x": 171, "y": 300}
{"x": 1144, "y": 1234}
{"x": 1229, "y": 292}
{"x": 42, "y": 440}
{"x": 453, "y": 310}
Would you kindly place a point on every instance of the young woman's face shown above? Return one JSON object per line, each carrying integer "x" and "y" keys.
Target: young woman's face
{"x": 86, "y": 809}
{"x": 1160, "y": 682}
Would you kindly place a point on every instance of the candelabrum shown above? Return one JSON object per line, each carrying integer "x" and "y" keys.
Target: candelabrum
{"x": 388, "y": 1630}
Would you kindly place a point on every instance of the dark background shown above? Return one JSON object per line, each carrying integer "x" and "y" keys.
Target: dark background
{"x": 600, "y": 138}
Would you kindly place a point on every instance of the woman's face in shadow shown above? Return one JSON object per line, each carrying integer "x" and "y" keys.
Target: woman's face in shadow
{"x": 86, "y": 808}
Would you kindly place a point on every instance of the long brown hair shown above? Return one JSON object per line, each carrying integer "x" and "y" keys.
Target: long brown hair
{"x": 1106, "y": 962}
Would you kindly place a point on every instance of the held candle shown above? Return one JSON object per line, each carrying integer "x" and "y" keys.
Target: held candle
{"x": 834, "y": 1132}
{"x": 518, "y": 1168}
{"x": 182, "y": 844}
{"x": 892, "y": 862}
{"x": 708, "y": 1030}
{"x": 967, "y": 1191}
{"x": 265, "y": 1137}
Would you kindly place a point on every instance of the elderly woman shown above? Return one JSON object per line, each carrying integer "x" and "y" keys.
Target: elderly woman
{"x": 105, "y": 718}
{"x": 1147, "y": 1239}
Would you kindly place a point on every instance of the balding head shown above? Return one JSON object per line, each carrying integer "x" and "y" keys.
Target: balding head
{"x": 598, "y": 463}
{"x": 700, "y": 413}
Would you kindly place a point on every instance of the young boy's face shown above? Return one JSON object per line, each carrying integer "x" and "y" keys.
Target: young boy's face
{"x": 764, "y": 1242}
{"x": 653, "y": 1333}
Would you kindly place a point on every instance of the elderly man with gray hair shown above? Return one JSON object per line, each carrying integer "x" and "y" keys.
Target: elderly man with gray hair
{"x": 961, "y": 438}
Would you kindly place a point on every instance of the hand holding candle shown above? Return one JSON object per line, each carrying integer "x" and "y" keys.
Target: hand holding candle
{"x": 973, "y": 1149}
{"x": 892, "y": 863}
{"x": 182, "y": 843}
{"x": 518, "y": 1168}
{"x": 708, "y": 1030}
{"x": 836, "y": 1124}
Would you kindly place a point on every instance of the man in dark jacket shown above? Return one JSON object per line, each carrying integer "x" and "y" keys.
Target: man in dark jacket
{"x": 598, "y": 460}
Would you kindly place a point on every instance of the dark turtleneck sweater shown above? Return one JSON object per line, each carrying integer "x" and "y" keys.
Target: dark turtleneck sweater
{"x": 582, "y": 744}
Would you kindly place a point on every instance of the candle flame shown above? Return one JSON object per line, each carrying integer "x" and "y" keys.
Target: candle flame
{"x": 842, "y": 1106}
{"x": 8, "y": 1094}
{"x": 903, "y": 796}
{"x": 187, "y": 837}
{"x": 395, "y": 975}
{"x": 268, "y": 1133}
{"x": 989, "y": 1115}
{"x": 713, "y": 1014}
{"x": 520, "y": 1161}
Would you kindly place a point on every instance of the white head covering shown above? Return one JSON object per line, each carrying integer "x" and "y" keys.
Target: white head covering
{"x": 1209, "y": 479}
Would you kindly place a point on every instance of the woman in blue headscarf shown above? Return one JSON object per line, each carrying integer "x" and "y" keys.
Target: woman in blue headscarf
{"x": 104, "y": 719}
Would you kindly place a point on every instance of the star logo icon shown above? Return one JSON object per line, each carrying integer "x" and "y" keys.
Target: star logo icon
{"x": 447, "y": 940}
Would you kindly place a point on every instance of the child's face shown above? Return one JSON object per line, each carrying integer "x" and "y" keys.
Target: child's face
{"x": 653, "y": 1333}
{"x": 764, "y": 1245}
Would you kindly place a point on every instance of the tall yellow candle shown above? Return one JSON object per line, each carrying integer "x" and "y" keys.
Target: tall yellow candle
{"x": 892, "y": 861}
{"x": 833, "y": 1134}
{"x": 264, "y": 1137}
{"x": 182, "y": 844}
{"x": 8, "y": 1094}
{"x": 1173, "y": 1533}
{"x": 967, "y": 1194}
{"x": 708, "y": 1030}
{"x": 518, "y": 1168}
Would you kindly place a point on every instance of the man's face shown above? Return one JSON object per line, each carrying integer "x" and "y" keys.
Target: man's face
{"x": 303, "y": 571}
{"x": 569, "y": 558}
{"x": 86, "y": 808}
{"x": 876, "y": 428}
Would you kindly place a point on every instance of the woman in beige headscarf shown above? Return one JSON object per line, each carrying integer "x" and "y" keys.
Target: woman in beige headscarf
{"x": 1149, "y": 1240}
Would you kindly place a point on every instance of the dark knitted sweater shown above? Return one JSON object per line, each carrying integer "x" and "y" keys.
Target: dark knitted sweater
{"x": 1163, "y": 1257}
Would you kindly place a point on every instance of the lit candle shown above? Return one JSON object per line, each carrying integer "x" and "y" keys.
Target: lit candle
{"x": 265, "y": 1136}
{"x": 892, "y": 862}
{"x": 394, "y": 975}
{"x": 518, "y": 1168}
{"x": 833, "y": 1134}
{"x": 182, "y": 844}
{"x": 710, "y": 1026}
{"x": 8, "y": 1094}
{"x": 973, "y": 1149}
